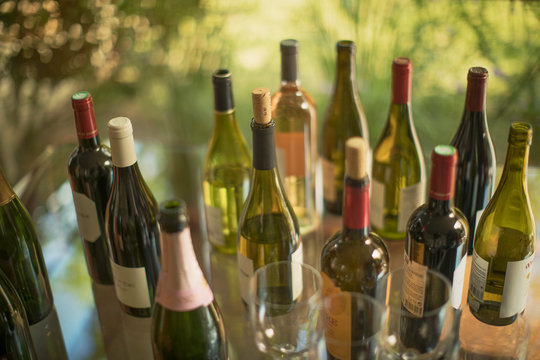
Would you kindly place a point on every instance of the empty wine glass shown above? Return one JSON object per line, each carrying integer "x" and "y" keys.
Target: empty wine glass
{"x": 284, "y": 301}
{"x": 353, "y": 323}
{"x": 420, "y": 320}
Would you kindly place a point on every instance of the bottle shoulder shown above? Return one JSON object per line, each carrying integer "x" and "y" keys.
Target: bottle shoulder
{"x": 437, "y": 228}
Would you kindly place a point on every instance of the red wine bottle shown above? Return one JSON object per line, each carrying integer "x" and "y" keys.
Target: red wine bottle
{"x": 476, "y": 167}
{"x": 437, "y": 232}
{"x": 90, "y": 176}
{"x": 132, "y": 226}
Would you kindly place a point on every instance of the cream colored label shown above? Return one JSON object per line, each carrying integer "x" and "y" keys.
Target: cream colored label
{"x": 457, "y": 283}
{"x": 414, "y": 287}
{"x": 376, "y": 211}
{"x": 245, "y": 272}
{"x": 329, "y": 184}
{"x": 131, "y": 286}
{"x": 411, "y": 197}
{"x": 87, "y": 219}
{"x": 297, "y": 257}
{"x": 478, "y": 277}
{"x": 516, "y": 286}
{"x": 214, "y": 225}
{"x": 338, "y": 325}
{"x": 123, "y": 151}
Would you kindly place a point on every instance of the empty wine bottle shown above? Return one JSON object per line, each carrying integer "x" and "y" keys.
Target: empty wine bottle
{"x": 90, "y": 176}
{"x": 226, "y": 168}
{"x": 353, "y": 259}
{"x": 294, "y": 113}
{"x": 344, "y": 118}
{"x": 15, "y": 339}
{"x": 132, "y": 227}
{"x": 186, "y": 323}
{"x": 476, "y": 169}
{"x": 505, "y": 240}
{"x": 398, "y": 181}
{"x": 269, "y": 229}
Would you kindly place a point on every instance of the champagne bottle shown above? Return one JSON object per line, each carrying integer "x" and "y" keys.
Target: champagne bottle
{"x": 505, "y": 240}
{"x": 132, "y": 227}
{"x": 295, "y": 115}
{"x": 226, "y": 168}
{"x": 90, "y": 176}
{"x": 344, "y": 118}
{"x": 268, "y": 226}
{"x": 186, "y": 323}
{"x": 398, "y": 184}
{"x": 437, "y": 234}
{"x": 15, "y": 339}
{"x": 476, "y": 167}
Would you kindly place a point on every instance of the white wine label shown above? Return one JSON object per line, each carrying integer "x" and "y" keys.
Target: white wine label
{"x": 329, "y": 184}
{"x": 376, "y": 210}
{"x": 245, "y": 272}
{"x": 414, "y": 288}
{"x": 479, "y": 270}
{"x": 457, "y": 283}
{"x": 131, "y": 286}
{"x": 281, "y": 163}
{"x": 297, "y": 257}
{"x": 477, "y": 220}
{"x": 411, "y": 197}
{"x": 516, "y": 286}
{"x": 86, "y": 217}
{"x": 214, "y": 225}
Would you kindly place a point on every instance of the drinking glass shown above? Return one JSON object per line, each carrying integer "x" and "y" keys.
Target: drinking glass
{"x": 353, "y": 323}
{"x": 421, "y": 323}
{"x": 285, "y": 302}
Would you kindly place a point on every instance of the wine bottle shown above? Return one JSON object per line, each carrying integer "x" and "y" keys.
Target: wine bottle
{"x": 398, "y": 181}
{"x": 352, "y": 259}
{"x": 476, "y": 167}
{"x": 437, "y": 234}
{"x": 186, "y": 322}
{"x": 15, "y": 339}
{"x": 132, "y": 228}
{"x": 226, "y": 168}
{"x": 90, "y": 176}
{"x": 505, "y": 240}
{"x": 344, "y": 118}
{"x": 268, "y": 226}
{"x": 294, "y": 113}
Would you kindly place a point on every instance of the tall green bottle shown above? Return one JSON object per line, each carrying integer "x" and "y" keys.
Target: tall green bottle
{"x": 344, "y": 118}
{"x": 226, "y": 168}
{"x": 269, "y": 229}
{"x": 505, "y": 236}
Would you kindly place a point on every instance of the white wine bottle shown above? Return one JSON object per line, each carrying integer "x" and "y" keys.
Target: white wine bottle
{"x": 269, "y": 229}
{"x": 186, "y": 322}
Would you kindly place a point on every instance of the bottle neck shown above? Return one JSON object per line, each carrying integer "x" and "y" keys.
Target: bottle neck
{"x": 181, "y": 286}
{"x": 442, "y": 186}
{"x": 264, "y": 148}
{"x": 6, "y": 191}
{"x": 289, "y": 68}
{"x": 123, "y": 151}
{"x": 89, "y": 144}
{"x": 356, "y": 206}
{"x": 475, "y": 101}
{"x": 346, "y": 69}
{"x": 515, "y": 165}
{"x": 85, "y": 122}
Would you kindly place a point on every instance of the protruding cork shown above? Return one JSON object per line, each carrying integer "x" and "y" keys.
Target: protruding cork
{"x": 261, "y": 105}
{"x": 356, "y": 158}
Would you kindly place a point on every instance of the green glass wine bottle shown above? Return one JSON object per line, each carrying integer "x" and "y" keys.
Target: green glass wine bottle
{"x": 344, "y": 118}
{"x": 398, "y": 177}
{"x": 295, "y": 115}
{"x": 186, "y": 322}
{"x": 226, "y": 168}
{"x": 268, "y": 226}
{"x": 505, "y": 239}
{"x": 15, "y": 339}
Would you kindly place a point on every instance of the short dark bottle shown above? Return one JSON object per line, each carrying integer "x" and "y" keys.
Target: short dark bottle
{"x": 476, "y": 169}
{"x": 90, "y": 176}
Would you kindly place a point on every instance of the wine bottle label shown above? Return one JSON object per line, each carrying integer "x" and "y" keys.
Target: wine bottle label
{"x": 376, "y": 210}
{"x": 329, "y": 185}
{"x": 297, "y": 257}
{"x": 457, "y": 283}
{"x": 245, "y": 272}
{"x": 411, "y": 197}
{"x": 214, "y": 224}
{"x": 290, "y": 150}
{"x": 516, "y": 286}
{"x": 131, "y": 286}
{"x": 338, "y": 321}
{"x": 478, "y": 277}
{"x": 414, "y": 287}
{"x": 86, "y": 217}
